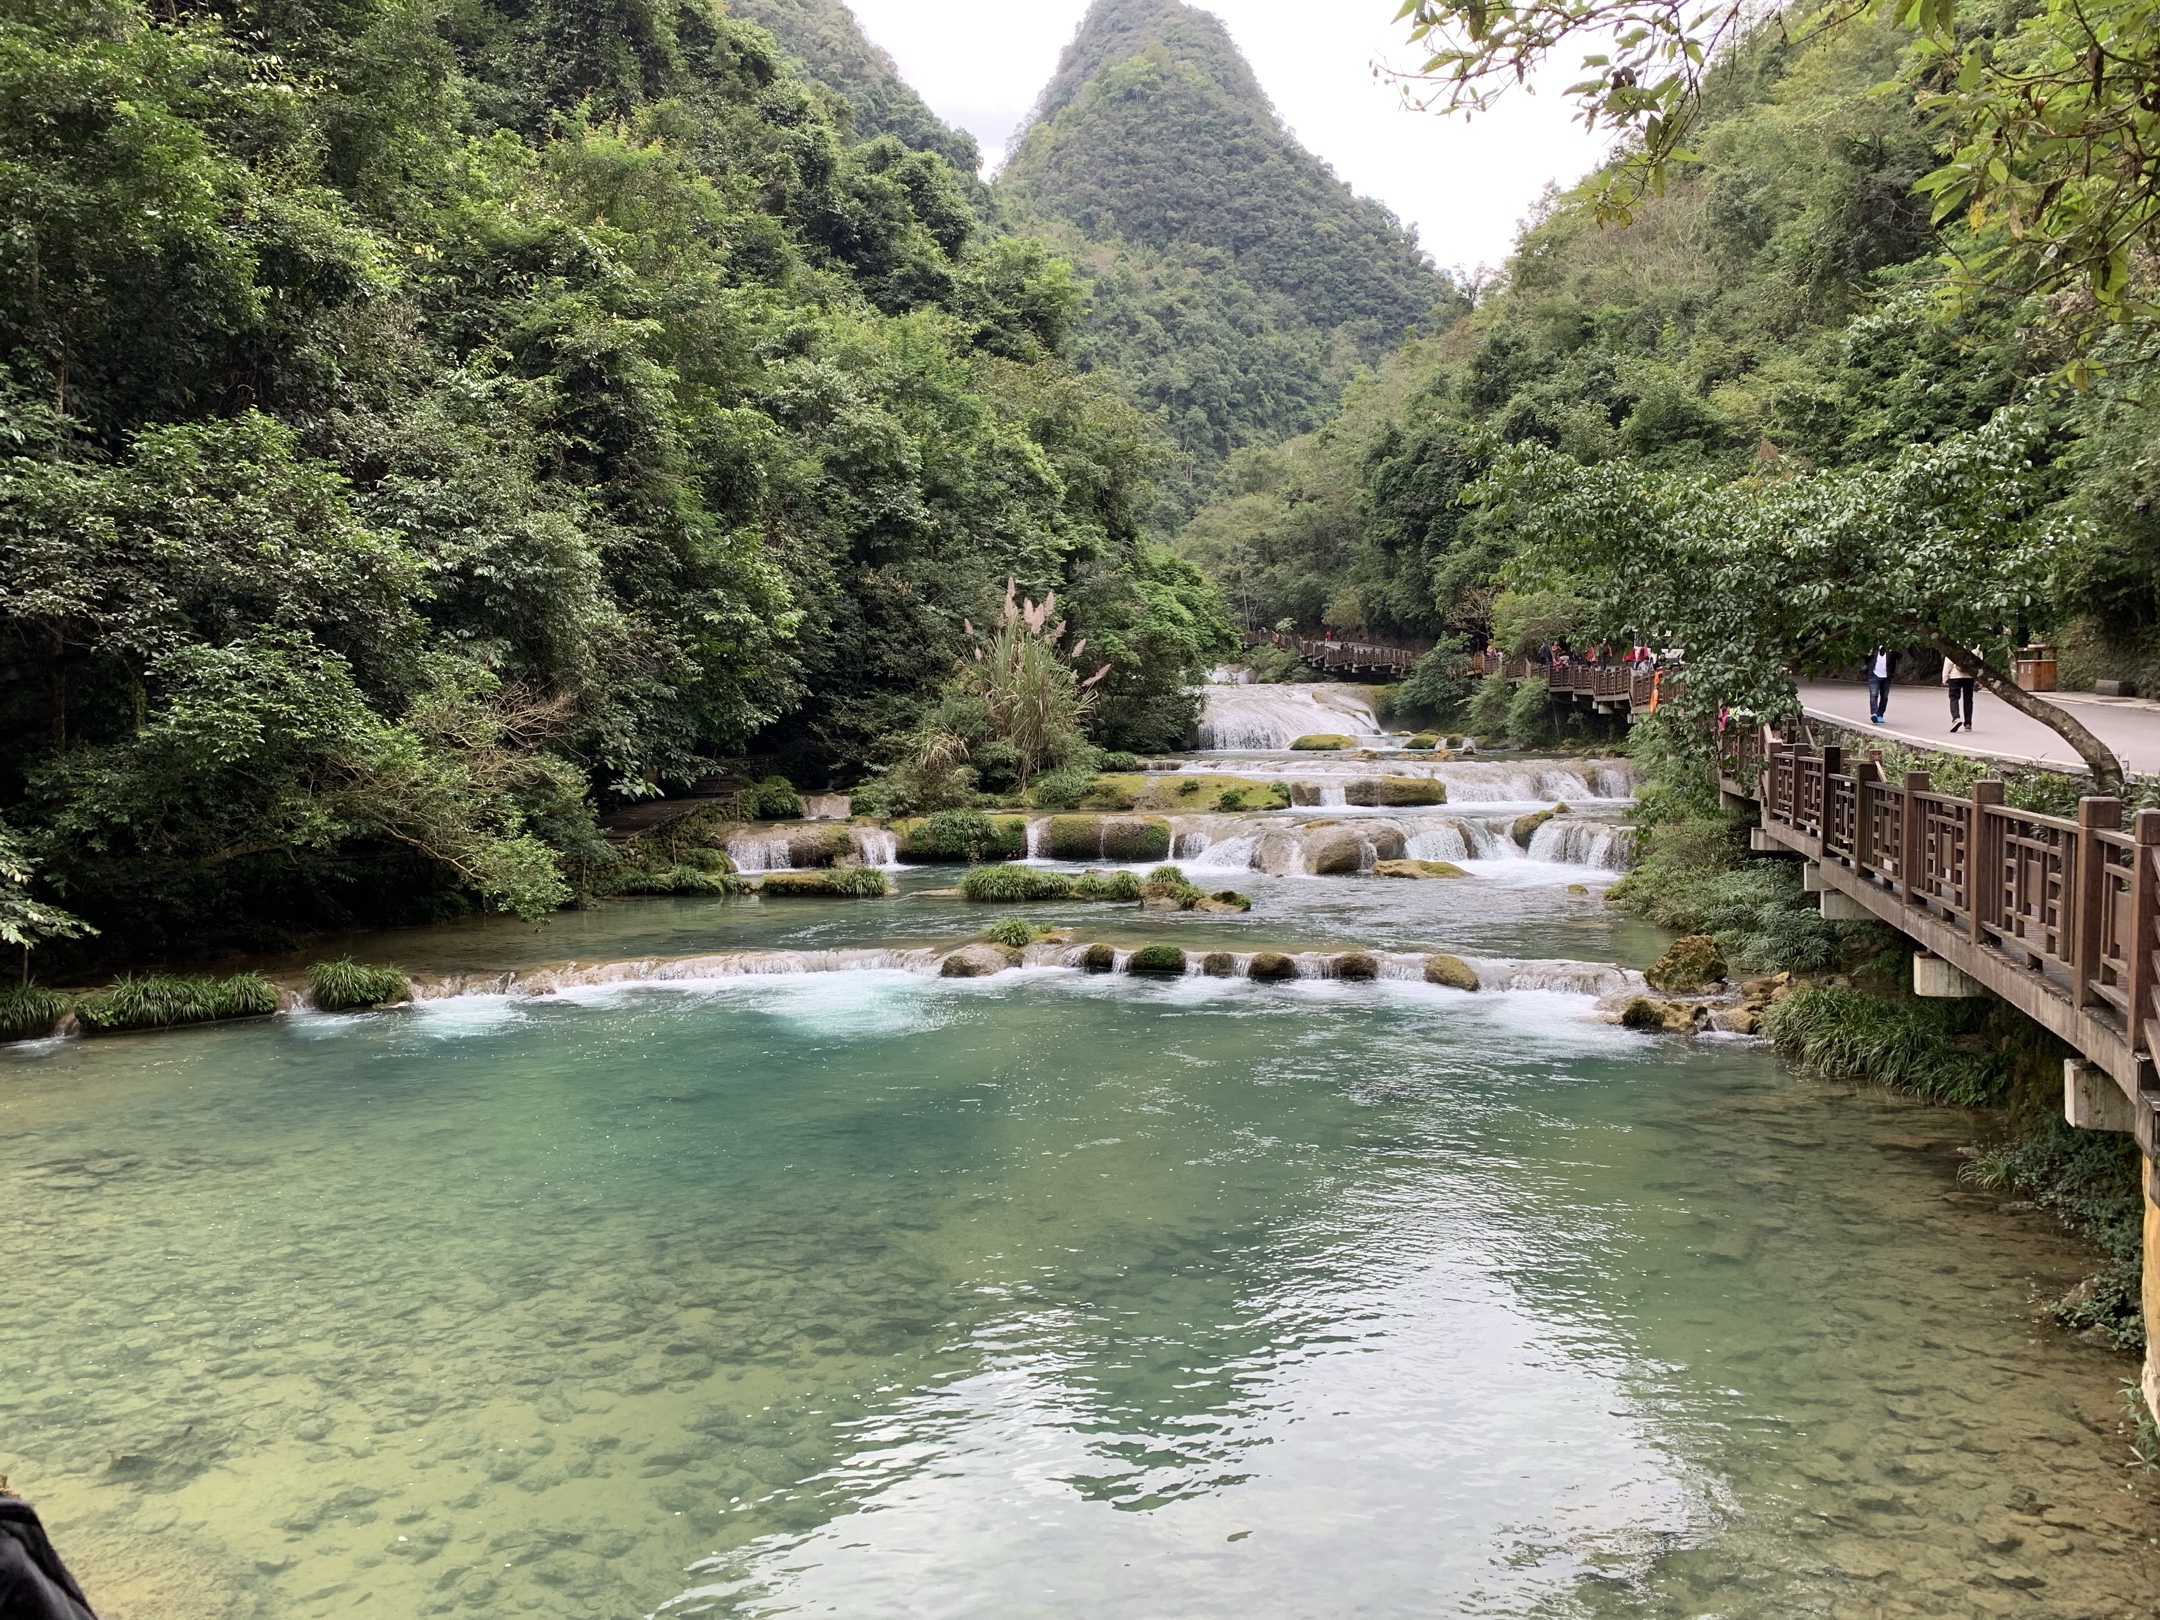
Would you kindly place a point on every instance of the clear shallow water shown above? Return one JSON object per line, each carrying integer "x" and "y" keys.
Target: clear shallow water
{"x": 1043, "y": 1295}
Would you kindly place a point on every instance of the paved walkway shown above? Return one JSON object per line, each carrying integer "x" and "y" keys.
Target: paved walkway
{"x": 1920, "y": 715}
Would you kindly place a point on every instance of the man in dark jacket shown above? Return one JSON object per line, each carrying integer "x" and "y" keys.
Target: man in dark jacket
{"x": 34, "y": 1584}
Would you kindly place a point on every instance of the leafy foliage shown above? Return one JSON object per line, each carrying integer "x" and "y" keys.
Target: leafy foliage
{"x": 418, "y": 426}
{"x": 1848, "y": 1035}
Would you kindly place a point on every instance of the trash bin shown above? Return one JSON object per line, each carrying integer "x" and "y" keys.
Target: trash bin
{"x": 2036, "y": 668}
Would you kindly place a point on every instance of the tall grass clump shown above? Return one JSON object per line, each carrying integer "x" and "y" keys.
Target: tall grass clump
{"x": 2090, "y": 1178}
{"x": 839, "y": 882}
{"x": 166, "y": 1000}
{"x": 1928, "y": 1048}
{"x": 1012, "y": 884}
{"x": 28, "y": 1011}
{"x": 1010, "y": 931}
{"x": 1112, "y": 886}
{"x": 344, "y": 984}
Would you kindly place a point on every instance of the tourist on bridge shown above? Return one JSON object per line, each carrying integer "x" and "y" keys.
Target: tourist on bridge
{"x": 1959, "y": 681}
{"x": 1882, "y": 664}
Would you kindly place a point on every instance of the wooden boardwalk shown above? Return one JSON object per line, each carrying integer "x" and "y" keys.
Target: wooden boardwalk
{"x": 2058, "y": 916}
{"x": 1342, "y": 657}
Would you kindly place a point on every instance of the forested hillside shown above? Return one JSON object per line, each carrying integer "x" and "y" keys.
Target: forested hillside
{"x": 422, "y": 426}
{"x": 1233, "y": 280}
{"x": 1776, "y": 308}
{"x": 826, "y": 40}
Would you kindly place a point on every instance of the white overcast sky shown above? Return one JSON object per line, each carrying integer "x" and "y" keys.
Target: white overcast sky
{"x": 980, "y": 64}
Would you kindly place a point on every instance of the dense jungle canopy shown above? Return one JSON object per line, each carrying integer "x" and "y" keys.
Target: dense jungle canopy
{"x": 424, "y": 423}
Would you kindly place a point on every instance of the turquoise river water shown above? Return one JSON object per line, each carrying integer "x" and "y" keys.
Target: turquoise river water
{"x": 874, "y": 1294}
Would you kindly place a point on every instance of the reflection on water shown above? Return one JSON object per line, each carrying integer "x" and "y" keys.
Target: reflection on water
{"x": 1044, "y": 1295}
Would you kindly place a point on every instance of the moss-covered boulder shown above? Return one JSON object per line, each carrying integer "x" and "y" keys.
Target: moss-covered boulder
{"x": 1526, "y": 827}
{"x": 1689, "y": 964}
{"x": 1322, "y": 742}
{"x": 1424, "y": 740}
{"x": 978, "y": 961}
{"x": 1418, "y": 869}
{"x": 838, "y": 882}
{"x": 1098, "y": 959}
{"x": 818, "y": 846}
{"x": 1355, "y": 965}
{"x": 1219, "y": 965}
{"x": 960, "y": 835}
{"x": 1270, "y": 967}
{"x": 1224, "y": 900}
{"x": 1394, "y": 792}
{"x": 1166, "y": 960}
{"x": 1106, "y": 838}
{"x": 1451, "y": 971}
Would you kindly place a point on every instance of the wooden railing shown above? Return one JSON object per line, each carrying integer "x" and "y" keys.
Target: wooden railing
{"x": 2060, "y": 916}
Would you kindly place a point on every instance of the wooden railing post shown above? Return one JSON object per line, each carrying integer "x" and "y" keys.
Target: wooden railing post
{"x": 1983, "y": 859}
{"x": 1867, "y": 776}
{"x": 2095, "y": 814}
{"x": 1913, "y": 856}
{"x": 2142, "y": 883}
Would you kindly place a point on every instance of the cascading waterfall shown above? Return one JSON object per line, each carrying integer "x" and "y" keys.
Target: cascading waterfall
{"x": 875, "y": 846}
{"x": 752, "y": 853}
{"x": 1583, "y": 843}
{"x": 1273, "y": 717}
{"x": 1493, "y": 973}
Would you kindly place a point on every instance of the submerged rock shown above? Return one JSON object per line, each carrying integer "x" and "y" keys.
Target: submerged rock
{"x": 978, "y": 961}
{"x": 1451, "y": 971}
{"x": 1689, "y": 964}
{"x": 1418, "y": 869}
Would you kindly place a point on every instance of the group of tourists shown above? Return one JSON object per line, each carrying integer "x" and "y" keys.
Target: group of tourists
{"x": 1882, "y": 669}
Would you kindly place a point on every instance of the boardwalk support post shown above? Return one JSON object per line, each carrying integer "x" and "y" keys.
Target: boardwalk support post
{"x": 2092, "y": 1101}
{"x": 1940, "y": 980}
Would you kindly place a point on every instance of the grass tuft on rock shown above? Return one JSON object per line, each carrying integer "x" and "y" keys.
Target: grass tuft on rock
{"x": 839, "y": 882}
{"x": 1012, "y": 885}
{"x": 28, "y": 1012}
{"x": 345, "y": 984}
{"x": 1117, "y": 887}
{"x": 1158, "y": 959}
{"x": 166, "y": 1001}
{"x": 1010, "y": 931}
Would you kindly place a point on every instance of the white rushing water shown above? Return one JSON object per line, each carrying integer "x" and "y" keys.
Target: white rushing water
{"x": 1273, "y": 717}
{"x": 1299, "y": 844}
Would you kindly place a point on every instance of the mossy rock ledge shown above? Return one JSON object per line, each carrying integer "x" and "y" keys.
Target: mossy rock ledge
{"x": 1451, "y": 971}
{"x": 1418, "y": 869}
{"x": 1166, "y": 960}
{"x": 1526, "y": 827}
{"x": 1106, "y": 838}
{"x": 1394, "y": 792}
{"x": 1690, "y": 963}
{"x": 1322, "y": 742}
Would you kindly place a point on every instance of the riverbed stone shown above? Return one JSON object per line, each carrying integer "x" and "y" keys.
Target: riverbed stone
{"x": 1690, "y": 963}
{"x": 1395, "y": 792}
{"x": 1355, "y": 965}
{"x": 1270, "y": 966}
{"x": 1676, "y": 1017}
{"x": 1098, "y": 959}
{"x": 1219, "y": 965}
{"x": 1451, "y": 971}
{"x": 1167, "y": 960}
{"x": 1418, "y": 869}
{"x": 978, "y": 961}
{"x": 1526, "y": 827}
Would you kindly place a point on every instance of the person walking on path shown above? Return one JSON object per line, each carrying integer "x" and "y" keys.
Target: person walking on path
{"x": 1881, "y": 663}
{"x": 1960, "y": 684}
